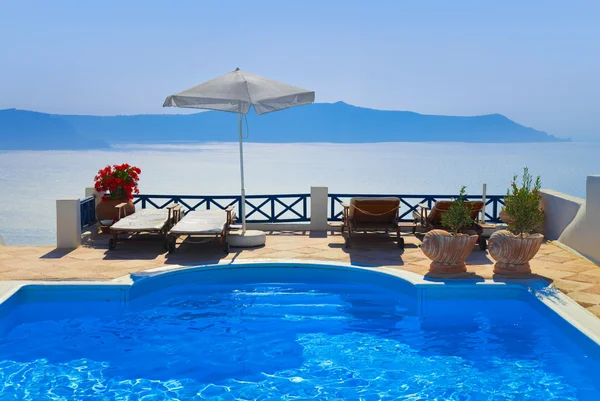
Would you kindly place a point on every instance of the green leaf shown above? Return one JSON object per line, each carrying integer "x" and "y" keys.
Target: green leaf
{"x": 522, "y": 204}
{"x": 458, "y": 215}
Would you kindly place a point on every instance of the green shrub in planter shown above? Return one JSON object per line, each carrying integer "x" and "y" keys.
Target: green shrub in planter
{"x": 522, "y": 204}
{"x": 458, "y": 215}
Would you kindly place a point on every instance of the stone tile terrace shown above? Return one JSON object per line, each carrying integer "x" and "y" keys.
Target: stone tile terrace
{"x": 577, "y": 277}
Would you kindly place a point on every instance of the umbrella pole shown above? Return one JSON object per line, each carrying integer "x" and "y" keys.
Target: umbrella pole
{"x": 243, "y": 206}
{"x": 483, "y": 198}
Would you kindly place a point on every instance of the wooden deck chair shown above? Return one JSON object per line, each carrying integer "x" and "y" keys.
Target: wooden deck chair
{"x": 145, "y": 221}
{"x": 431, "y": 219}
{"x": 371, "y": 215}
{"x": 203, "y": 223}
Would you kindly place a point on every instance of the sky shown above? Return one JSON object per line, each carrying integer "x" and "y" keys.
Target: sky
{"x": 535, "y": 61}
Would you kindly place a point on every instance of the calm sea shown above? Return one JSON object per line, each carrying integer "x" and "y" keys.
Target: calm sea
{"x": 32, "y": 181}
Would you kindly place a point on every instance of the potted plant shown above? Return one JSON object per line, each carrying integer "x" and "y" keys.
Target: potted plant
{"x": 447, "y": 251}
{"x": 512, "y": 250}
{"x": 119, "y": 183}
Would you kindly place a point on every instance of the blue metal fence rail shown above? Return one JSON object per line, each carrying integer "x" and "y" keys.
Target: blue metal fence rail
{"x": 294, "y": 208}
{"x": 87, "y": 208}
{"x": 410, "y": 203}
{"x": 290, "y": 208}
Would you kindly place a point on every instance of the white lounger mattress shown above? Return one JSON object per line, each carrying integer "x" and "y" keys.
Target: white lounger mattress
{"x": 143, "y": 220}
{"x": 201, "y": 222}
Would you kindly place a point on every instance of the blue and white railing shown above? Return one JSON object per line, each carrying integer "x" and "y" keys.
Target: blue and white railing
{"x": 289, "y": 208}
{"x": 296, "y": 208}
{"x": 410, "y": 203}
{"x": 87, "y": 208}
{"x": 310, "y": 211}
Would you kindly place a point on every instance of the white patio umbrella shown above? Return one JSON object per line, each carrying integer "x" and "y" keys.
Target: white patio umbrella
{"x": 235, "y": 92}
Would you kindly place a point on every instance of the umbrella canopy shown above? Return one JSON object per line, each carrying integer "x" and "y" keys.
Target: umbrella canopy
{"x": 238, "y": 90}
{"x": 235, "y": 92}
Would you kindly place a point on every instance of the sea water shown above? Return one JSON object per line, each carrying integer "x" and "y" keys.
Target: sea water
{"x": 32, "y": 181}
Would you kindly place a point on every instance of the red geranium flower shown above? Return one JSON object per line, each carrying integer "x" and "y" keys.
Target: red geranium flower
{"x": 119, "y": 181}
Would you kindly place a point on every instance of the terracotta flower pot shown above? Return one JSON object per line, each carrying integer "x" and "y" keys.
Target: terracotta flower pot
{"x": 513, "y": 253}
{"x": 447, "y": 252}
{"x": 106, "y": 210}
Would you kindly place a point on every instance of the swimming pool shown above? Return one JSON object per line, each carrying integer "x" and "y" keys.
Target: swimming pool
{"x": 277, "y": 332}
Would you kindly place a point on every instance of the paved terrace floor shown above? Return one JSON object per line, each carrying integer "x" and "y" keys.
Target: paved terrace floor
{"x": 577, "y": 277}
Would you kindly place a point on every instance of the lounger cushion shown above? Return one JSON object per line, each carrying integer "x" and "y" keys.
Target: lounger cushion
{"x": 201, "y": 222}
{"x": 378, "y": 210}
{"x": 142, "y": 221}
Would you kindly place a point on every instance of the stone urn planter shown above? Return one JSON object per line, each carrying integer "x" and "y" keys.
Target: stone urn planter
{"x": 512, "y": 253}
{"x": 447, "y": 252}
{"x": 106, "y": 210}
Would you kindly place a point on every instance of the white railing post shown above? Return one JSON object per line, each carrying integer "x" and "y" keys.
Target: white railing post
{"x": 319, "y": 197}
{"x": 68, "y": 223}
{"x": 89, "y": 191}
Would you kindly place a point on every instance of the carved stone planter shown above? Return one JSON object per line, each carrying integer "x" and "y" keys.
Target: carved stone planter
{"x": 513, "y": 253}
{"x": 447, "y": 252}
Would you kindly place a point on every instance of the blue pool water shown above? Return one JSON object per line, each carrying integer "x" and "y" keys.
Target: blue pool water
{"x": 318, "y": 340}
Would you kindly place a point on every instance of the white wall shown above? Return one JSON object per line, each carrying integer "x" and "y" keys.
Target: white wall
{"x": 559, "y": 211}
{"x": 68, "y": 220}
{"x": 575, "y": 222}
{"x": 68, "y": 223}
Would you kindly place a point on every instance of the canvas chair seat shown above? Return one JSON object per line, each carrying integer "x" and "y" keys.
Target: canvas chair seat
{"x": 374, "y": 210}
{"x": 432, "y": 219}
{"x": 434, "y": 216}
{"x": 371, "y": 214}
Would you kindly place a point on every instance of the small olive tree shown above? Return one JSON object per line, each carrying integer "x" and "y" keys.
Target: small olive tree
{"x": 458, "y": 215}
{"x": 522, "y": 204}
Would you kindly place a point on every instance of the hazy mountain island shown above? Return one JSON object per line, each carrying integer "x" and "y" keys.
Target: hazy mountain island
{"x": 28, "y": 130}
{"x": 319, "y": 122}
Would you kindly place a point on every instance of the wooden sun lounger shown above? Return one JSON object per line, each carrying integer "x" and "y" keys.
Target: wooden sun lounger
{"x": 371, "y": 215}
{"x": 430, "y": 219}
{"x": 145, "y": 221}
{"x": 203, "y": 223}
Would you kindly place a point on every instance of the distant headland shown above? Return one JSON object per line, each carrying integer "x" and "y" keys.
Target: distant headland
{"x": 320, "y": 122}
{"x": 29, "y": 130}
